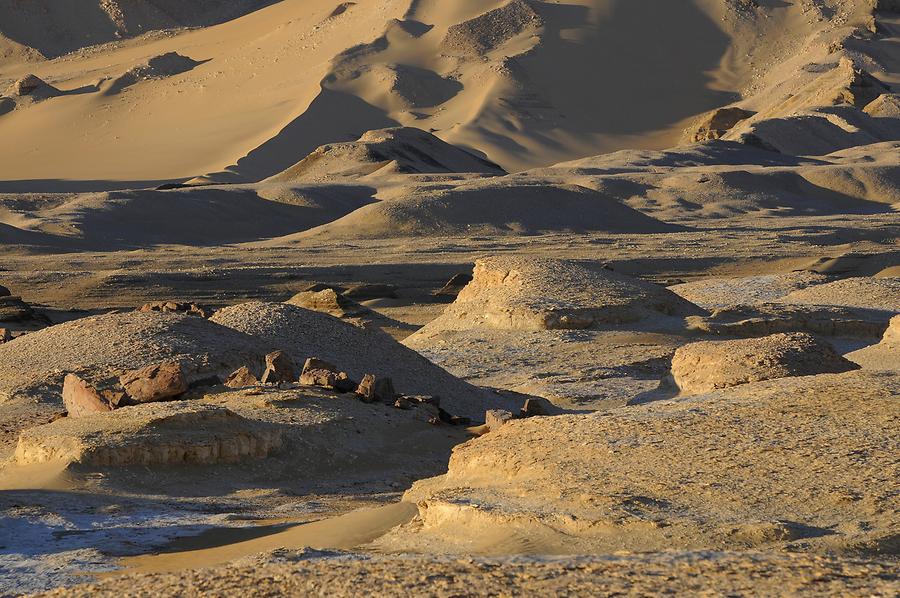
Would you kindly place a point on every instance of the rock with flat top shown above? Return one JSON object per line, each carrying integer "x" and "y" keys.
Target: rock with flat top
{"x": 710, "y": 365}
{"x": 170, "y": 434}
{"x": 497, "y": 418}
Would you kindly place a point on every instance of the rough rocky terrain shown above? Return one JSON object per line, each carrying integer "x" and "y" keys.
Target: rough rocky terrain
{"x": 485, "y": 297}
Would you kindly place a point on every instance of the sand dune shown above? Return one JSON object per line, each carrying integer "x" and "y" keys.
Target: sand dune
{"x": 482, "y": 75}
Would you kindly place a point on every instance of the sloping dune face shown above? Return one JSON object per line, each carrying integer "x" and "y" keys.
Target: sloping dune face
{"x": 523, "y": 82}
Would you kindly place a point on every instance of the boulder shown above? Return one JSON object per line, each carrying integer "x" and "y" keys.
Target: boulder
{"x": 4, "y": 292}
{"x": 241, "y": 378}
{"x": 496, "y": 418}
{"x": 279, "y": 368}
{"x": 711, "y": 365}
{"x": 5, "y": 335}
{"x": 81, "y": 398}
{"x": 27, "y": 85}
{"x": 154, "y": 383}
{"x": 373, "y": 389}
{"x": 318, "y": 372}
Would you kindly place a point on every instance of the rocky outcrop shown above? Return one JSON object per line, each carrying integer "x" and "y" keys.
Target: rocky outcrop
{"x": 710, "y": 365}
{"x": 241, "y": 378}
{"x": 181, "y": 433}
{"x": 490, "y": 30}
{"x": 177, "y": 307}
{"x": 716, "y": 124}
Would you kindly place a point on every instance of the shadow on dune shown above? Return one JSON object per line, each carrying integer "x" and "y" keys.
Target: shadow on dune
{"x": 632, "y": 86}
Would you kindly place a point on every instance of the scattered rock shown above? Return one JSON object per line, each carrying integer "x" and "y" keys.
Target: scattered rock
{"x": 241, "y": 378}
{"x": 318, "y": 372}
{"x": 154, "y": 383}
{"x": 371, "y": 291}
{"x": 454, "y": 286}
{"x": 537, "y": 407}
{"x": 710, "y": 365}
{"x": 279, "y": 368}
{"x": 81, "y": 398}
{"x": 173, "y": 307}
{"x": 496, "y": 418}
{"x": 373, "y": 389}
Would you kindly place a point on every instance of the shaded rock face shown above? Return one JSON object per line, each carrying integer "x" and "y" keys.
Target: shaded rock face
{"x": 180, "y": 433}
{"x": 279, "y": 368}
{"x": 81, "y": 399}
{"x": 718, "y": 122}
{"x": 155, "y": 383}
{"x": 373, "y": 389}
{"x": 710, "y": 365}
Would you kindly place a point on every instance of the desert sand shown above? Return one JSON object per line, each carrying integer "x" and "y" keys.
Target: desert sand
{"x": 483, "y": 297}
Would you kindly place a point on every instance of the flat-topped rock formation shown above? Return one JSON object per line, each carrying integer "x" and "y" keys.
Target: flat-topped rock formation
{"x": 183, "y": 433}
{"x": 711, "y": 365}
{"x": 544, "y": 294}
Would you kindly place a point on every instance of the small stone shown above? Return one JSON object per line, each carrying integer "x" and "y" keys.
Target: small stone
{"x": 155, "y": 383}
{"x": 373, "y": 389}
{"x": 5, "y": 335}
{"x": 279, "y": 368}
{"x": 496, "y": 418}
{"x": 81, "y": 399}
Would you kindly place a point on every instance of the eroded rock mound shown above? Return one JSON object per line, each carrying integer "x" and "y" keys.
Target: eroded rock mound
{"x": 717, "y": 123}
{"x": 711, "y": 365}
{"x": 302, "y": 334}
{"x": 774, "y": 466}
{"x": 152, "y": 434}
{"x": 520, "y": 293}
{"x": 864, "y": 292}
{"x": 158, "y": 67}
{"x": 404, "y": 150}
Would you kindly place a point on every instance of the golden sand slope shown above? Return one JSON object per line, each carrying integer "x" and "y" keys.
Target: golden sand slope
{"x": 526, "y": 82}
